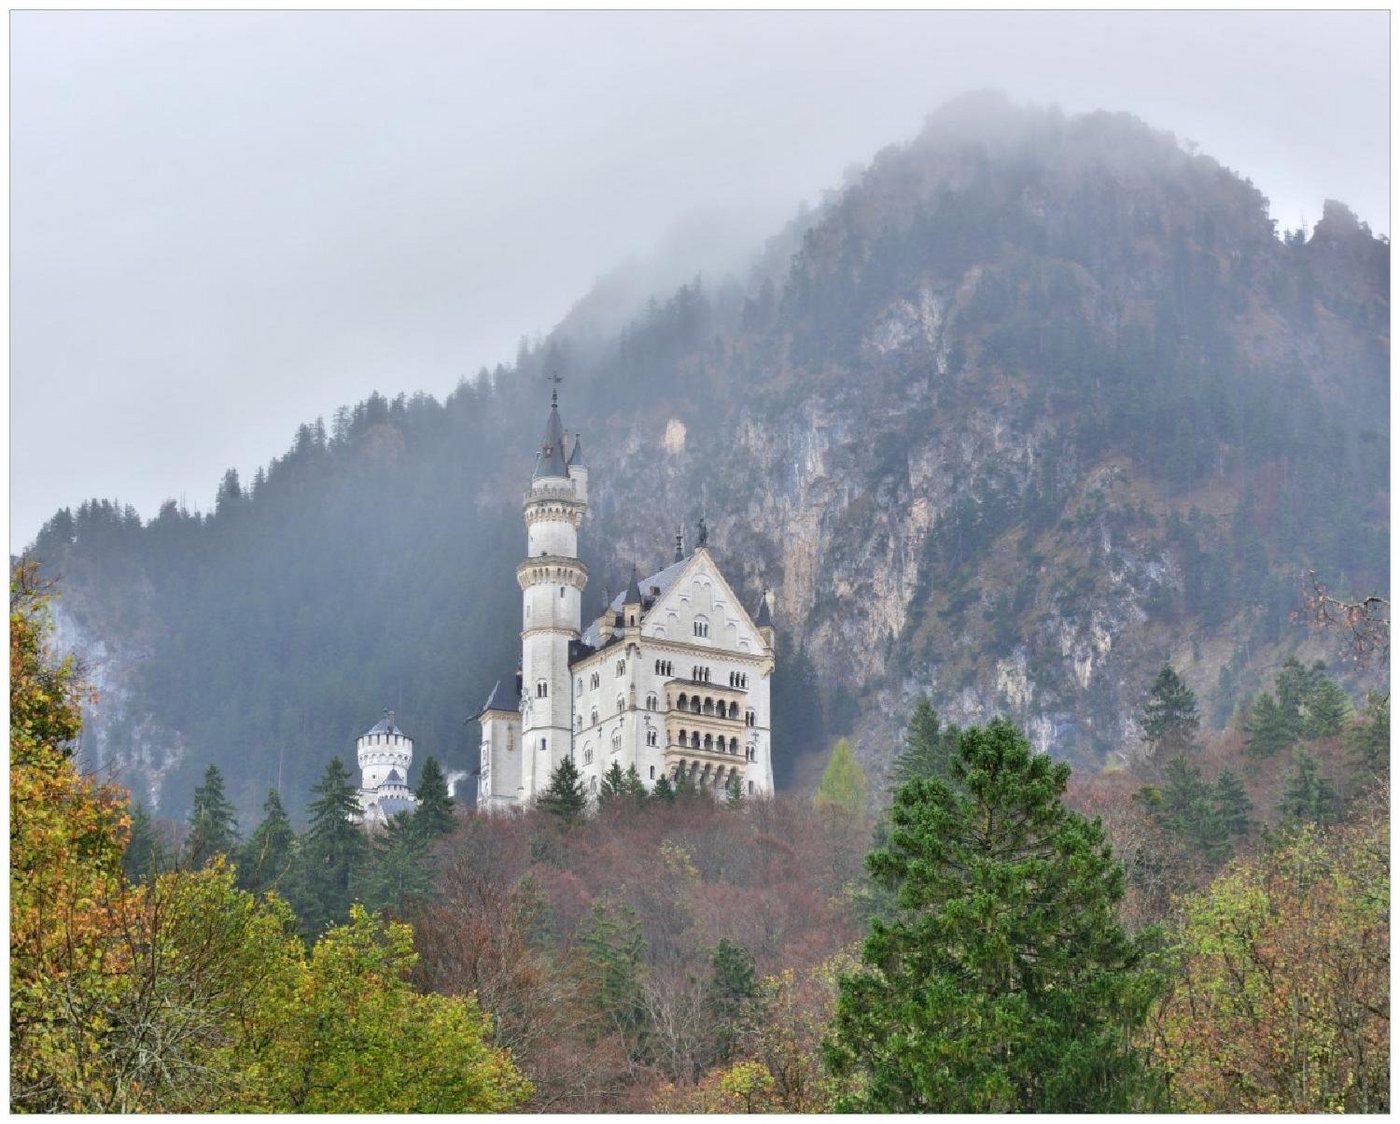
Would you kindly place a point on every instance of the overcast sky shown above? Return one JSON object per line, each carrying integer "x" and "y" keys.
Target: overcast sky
{"x": 225, "y": 224}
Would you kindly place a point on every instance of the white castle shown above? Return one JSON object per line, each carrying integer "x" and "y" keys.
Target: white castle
{"x": 672, "y": 679}
{"x": 384, "y": 753}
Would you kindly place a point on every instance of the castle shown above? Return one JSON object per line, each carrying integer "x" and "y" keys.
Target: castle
{"x": 384, "y": 753}
{"x": 673, "y": 678}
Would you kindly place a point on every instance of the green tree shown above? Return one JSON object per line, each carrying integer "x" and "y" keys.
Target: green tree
{"x": 1326, "y": 709}
{"x": 332, "y": 852}
{"x": 433, "y": 816}
{"x": 213, "y": 822}
{"x": 615, "y": 950}
{"x": 734, "y": 792}
{"x": 398, "y": 869}
{"x": 733, "y": 986}
{"x": 267, "y": 856}
{"x": 929, "y": 747}
{"x": 1232, "y": 804}
{"x": 1188, "y": 807}
{"x": 145, "y": 851}
{"x": 1170, "y": 719}
{"x": 1267, "y": 728}
{"x": 1293, "y": 684}
{"x": 1005, "y": 982}
{"x": 564, "y": 797}
{"x": 664, "y": 791}
{"x": 614, "y": 785}
{"x": 1308, "y": 796}
{"x": 1370, "y": 738}
{"x": 843, "y": 786}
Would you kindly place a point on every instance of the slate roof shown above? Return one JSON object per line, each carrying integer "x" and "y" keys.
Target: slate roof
{"x": 386, "y": 726}
{"x": 576, "y": 453}
{"x": 550, "y": 461}
{"x": 763, "y": 618}
{"x": 500, "y": 699}
{"x": 661, "y": 581}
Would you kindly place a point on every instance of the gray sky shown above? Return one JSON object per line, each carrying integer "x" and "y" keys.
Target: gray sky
{"x": 225, "y": 224}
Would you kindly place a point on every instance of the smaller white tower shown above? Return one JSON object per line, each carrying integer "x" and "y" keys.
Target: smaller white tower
{"x": 384, "y": 752}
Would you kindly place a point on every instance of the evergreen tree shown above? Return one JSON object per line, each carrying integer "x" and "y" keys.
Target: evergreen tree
{"x": 615, "y": 949}
{"x": 1005, "y": 982}
{"x": 1170, "y": 719}
{"x": 734, "y": 792}
{"x": 213, "y": 822}
{"x": 1267, "y": 728}
{"x": 1370, "y": 738}
{"x": 733, "y": 986}
{"x": 332, "y": 853}
{"x": 1308, "y": 797}
{"x": 1326, "y": 709}
{"x": 1293, "y": 684}
{"x": 433, "y": 816}
{"x": 145, "y": 852}
{"x": 398, "y": 868}
{"x": 929, "y": 748}
{"x": 267, "y": 856}
{"x": 564, "y": 797}
{"x": 664, "y": 792}
{"x": 1232, "y": 804}
{"x": 614, "y": 785}
{"x": 843, "y": 786}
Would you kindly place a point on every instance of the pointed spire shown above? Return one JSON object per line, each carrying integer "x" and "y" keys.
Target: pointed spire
{"x": 576, "y": 453}
{"x": 763, "y": 618}
{"x": 550, "y": 461}
{"x": 633, "y": 595}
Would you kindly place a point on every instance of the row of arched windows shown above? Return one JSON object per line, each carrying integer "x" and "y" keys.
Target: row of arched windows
{"x": 700, "y": 674}
{"x": 663, "y": 667}
{"x": 738, "y": 679}
{"x": 709, "y": 741}
{"x": 696, "y": 705}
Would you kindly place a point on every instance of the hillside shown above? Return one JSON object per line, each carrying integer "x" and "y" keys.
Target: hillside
{"x": 1033, "y": 405}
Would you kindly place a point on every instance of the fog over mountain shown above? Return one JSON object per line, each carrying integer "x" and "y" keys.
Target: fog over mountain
{"x": 227, "y": 224}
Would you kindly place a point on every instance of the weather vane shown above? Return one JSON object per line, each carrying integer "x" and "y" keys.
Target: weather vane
{"x": 556, "y": 378}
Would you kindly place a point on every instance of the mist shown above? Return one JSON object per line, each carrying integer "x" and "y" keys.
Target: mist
{"x": 225, "y": 224}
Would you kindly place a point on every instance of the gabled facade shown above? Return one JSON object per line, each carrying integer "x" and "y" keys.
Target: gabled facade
{"x": 674, "y": 676}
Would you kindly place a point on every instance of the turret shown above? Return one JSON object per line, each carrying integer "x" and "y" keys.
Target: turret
{"x": 632, "y": 603}
{"x": 578, "y": 469}
{"x": 552, "y": 580}
{"x": 763, "y": 619}
{"x": 384, "y": 753}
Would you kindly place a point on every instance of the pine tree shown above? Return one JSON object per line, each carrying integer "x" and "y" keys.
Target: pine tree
{"x": 1293, "y": 684}
{"x": 1267, "y": 728}
{"x": 1232, "y": 804}
{"x": 734, "y": 792}
{"x": 1370, "y": 738}
{"x": 1326, "y": 710}
{"x": 664, "y": 791}
{"x": 1169, "y": 718}
{"x": 1005, "y": 981}
{"x": 332, "y": 853}
{"x": 434, "y": 814}
{"x": 145, "y": 852}
{"x": 733, "y": 986}
{"x": 213, "y": 822}
{"x": 1308, "y": 797}
{"x": 614, "y": 785}
{"x": 564, "y": 797}
{"x": 615, "y": 949}
{"x": 398, "y": 868}
{"x": 929, "y": 748}
{"x": 843, "y": 786}
{"x": 267, "y": 856}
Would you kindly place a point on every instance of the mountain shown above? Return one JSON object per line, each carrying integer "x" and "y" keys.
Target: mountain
{"x": 1031, "y": 406}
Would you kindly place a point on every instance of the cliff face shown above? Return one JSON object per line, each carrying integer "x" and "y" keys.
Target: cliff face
{"x": 1036, "y": 405}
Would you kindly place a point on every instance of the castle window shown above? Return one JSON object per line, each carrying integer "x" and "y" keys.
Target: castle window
{"x": 588, "y": 754}
{"x": 544, "y": 745}
{"x": 561, "y": 591}
{"x": 651, "y": 737}
{"x": 620, "y": 704}
{"x": 750, "y": 788}
{"x": 593, "y": 717}
{"x": 621, "y": 668}
{"x": 542, "y": 689}
{"x": 652, "y": 773}
{"x": 701, "y": 627}
{"x": 694, "y": 704}
{"x": 593, "y": 680}
{"x": 651, "y": 702}
{"x": 734, "y": 711}
{"x": 749, "y": 718}
{"x": 617, "y": 742}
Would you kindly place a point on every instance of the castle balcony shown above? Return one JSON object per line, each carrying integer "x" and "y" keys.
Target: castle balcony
{"x": 704, "y": 770}
{"x": 706, "y": 700}
{"x": 704, "y": 738}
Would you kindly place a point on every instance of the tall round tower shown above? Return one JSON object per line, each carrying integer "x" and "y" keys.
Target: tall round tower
{"x": 552, "y": 580}
{"x": 384, "y": 753}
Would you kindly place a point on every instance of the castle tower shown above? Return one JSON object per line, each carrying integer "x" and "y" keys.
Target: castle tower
{"x": 384, "y": 753}
{"x": 551, "y": 580}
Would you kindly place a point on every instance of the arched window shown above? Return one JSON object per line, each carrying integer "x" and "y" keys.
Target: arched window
{"x": 593, "y": 680}
{"x": 695, "y": 740}
{"x": 652, "y": 773}
{"x": 578, "y": 688}
{"x": 709, "y": 742}
{"x": 701, "y": 626}
{"x": 617, "y": 742}
{"x": 621, "y": 705}
{"x": 709, "y": 706}
{"x": 544, "y": 745}
{"x": 748, "y": 718}
{"x": 734, "y": 746}
{"x": 734, "y": 711}
{"x": 588, "y": 753}
{"x": 541, "y": 688}
{"x": 682, "y": 735}
{"x": 593, "y": 717}
{"x": 651, "y": 736}
{"x": 621, "y": 667}
{"x": 694, "y": 704}
{"x": 682, "y": 700}
{"x": 651, "y": 702}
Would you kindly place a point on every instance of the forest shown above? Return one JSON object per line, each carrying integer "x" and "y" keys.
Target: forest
{"x": 993, "y": 931}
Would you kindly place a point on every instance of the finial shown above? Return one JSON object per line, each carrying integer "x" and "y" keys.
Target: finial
{"x": 704, "y": 536}
{"x": 680, "y": 546}
{"x": 556, "y": 378}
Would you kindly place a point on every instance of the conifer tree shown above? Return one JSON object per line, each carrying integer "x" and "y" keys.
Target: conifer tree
{"x": 613, "y": 786}
{"x": 564, "y": 797}
{"x": 332, "y": 853}
{"x": 1308, "y": 797}
{"x": 1170, "y": 719}
{"x": 398, "y": 868}
{"x": 1267, "y": 728}
{"x": 733, "y": 985}
{"x": 1293, "y": 684}
{"x": 1232, "y": 804}
{"x": 145, "y": 853}
{"x": 267, "y": 856}
{"x": 434, "y": 814}
{"x": 1370, "y": 738}
{"x": 929, "y": 748}
{"x": 734, "y": 792}
{"x": 213, "y": 821}
{"x": 1005, "y": 981}
{"x": 664, "y": 792}
{"x": 1326, "y": 709}
{"x": 843, "y": 786}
